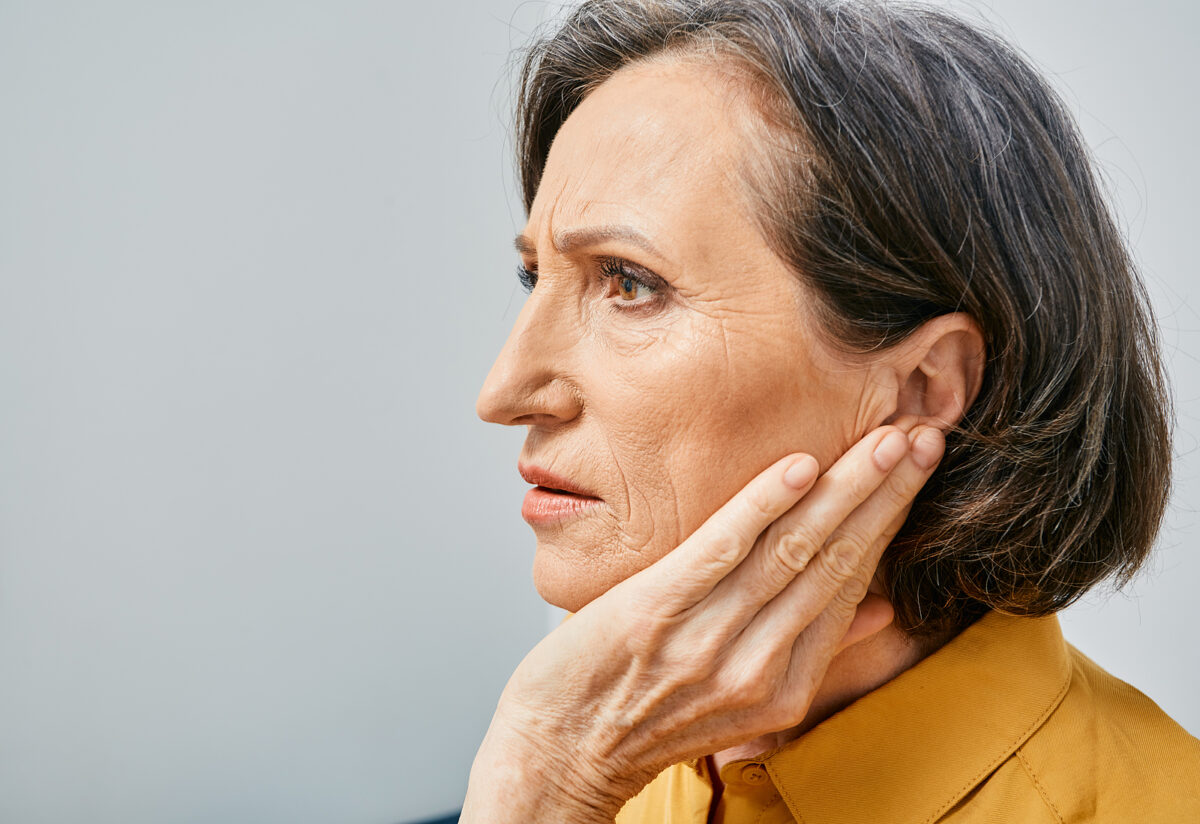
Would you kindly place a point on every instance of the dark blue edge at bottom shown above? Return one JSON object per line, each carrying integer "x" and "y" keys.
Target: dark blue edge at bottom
{"x": 449, "y": 819}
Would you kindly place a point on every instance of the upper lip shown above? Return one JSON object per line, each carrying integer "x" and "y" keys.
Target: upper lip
{"x": 544, "y": 477}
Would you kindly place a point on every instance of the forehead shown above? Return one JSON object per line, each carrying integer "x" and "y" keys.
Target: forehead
{"x": 658, "y": 143}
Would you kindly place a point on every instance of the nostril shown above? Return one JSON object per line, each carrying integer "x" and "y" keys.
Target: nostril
{"x": 528, "y": 386}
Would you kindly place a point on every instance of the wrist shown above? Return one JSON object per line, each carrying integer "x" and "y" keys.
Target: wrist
{"x": 517, "y": 780}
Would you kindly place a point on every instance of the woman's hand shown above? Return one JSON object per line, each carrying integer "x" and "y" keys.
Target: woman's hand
{"x": 724, "y": 639}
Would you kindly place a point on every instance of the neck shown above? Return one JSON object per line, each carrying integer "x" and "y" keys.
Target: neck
{"x": 852, "y": 673}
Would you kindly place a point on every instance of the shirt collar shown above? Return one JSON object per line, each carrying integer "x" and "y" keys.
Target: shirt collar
{"x": 909, "y": 750}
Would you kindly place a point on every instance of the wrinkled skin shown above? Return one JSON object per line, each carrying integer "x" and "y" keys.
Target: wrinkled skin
{"x": 665, "y": 409}
{"x": 708, "y": 622}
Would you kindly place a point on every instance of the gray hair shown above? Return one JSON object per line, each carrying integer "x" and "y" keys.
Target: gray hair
{"x": 914, "y": 165}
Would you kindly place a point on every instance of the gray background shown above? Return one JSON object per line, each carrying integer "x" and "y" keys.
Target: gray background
{"x": 259, "y": 561}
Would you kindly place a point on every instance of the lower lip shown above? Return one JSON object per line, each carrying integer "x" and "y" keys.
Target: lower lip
{"x": 544, "y": 506}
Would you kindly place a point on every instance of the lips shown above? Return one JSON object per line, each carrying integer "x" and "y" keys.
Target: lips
{"x": 548, "y": 480}
{"x": 553, "y": 499}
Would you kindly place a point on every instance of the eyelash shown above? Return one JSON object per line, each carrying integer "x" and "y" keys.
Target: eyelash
{"x": 610, "y": 268}
{"x": 528, "y": 278}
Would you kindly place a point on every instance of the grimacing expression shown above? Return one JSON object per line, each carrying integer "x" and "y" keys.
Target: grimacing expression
{"x": 661, "y": 370}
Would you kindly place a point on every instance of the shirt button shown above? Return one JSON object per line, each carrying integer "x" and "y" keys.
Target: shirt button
{"x": 754, "y": 774}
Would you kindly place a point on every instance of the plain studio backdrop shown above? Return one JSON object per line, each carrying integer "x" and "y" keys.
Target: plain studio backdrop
{"x": 259, "y": 561}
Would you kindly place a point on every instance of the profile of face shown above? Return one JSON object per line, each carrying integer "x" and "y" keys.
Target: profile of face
{"x": 665, "y": 355}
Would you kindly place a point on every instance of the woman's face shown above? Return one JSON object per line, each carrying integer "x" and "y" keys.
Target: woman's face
{"x": 662, "y": 398}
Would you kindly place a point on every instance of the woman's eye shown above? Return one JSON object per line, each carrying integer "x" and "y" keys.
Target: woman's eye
{"x": 628, "y": 285}
{"x": 528, "y": 278}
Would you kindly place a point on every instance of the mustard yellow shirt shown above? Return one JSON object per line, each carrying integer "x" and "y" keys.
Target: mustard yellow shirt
{"x": 1006, "y": 723}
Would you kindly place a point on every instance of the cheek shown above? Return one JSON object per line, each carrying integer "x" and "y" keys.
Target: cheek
{"x": 689, "y": 421}
{"x": 641, "y": 415}
{"x": 765, "y": 405}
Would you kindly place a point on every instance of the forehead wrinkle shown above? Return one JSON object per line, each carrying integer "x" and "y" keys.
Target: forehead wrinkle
{"x": 525, "y": 242}
{"x": 653, "y": 139}
{"x": 666, "y": 160}
{"x": 646, "y": 139}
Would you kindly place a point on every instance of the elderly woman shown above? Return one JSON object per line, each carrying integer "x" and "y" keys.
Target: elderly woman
{"x": 839, "y": 382}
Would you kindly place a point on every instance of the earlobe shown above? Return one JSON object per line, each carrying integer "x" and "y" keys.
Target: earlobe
{"x": 939, "y": 371}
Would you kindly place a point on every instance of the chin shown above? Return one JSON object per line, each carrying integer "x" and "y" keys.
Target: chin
{"x": 570, "y": 585}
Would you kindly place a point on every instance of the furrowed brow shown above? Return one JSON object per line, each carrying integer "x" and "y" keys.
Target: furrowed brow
{"x": 568, "y": 240}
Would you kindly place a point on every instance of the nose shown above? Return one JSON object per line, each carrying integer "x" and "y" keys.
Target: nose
{"x": 531, "y": 382}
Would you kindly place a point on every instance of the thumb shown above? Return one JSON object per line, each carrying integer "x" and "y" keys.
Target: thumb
{"x": 873, "y": 614}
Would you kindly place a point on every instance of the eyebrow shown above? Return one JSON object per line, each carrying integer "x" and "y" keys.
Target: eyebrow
{"x": 567, "y": 240}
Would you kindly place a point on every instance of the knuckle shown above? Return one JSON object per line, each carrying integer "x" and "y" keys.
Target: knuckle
{"x": 783, "y": 713}
{"x": 795, "y": 548}
{"x": 700, "y": 662}
{"x": 689, "y": 672}
{"x": 756, "y": 689}
{"x": 843, "y": 555}
{"x": 766, "y": 665}
{"x": 861, "y": 485}
{"x": 767, "y": 669}
{"x": 725, "y": 550}
{"x": 853, "y": 591}
{"x": 792, "y": 554}
{"x": 851, "y": 544}
{"x": 730, "y": 691}
{"x": 786, "y": 716}
{"x": 644, "y": 638}
{"x": 898, "y": 495}
{"x": 750, "y": 685}
{"x": 760, "y": 504}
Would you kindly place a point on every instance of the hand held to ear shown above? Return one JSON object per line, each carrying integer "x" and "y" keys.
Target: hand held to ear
{"x": 724, "y": 639}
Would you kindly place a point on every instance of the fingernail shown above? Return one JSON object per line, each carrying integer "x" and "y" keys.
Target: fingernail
{"x": 801, "y": 472}
{"x": 890, "y": 450}
{"x": 928, "y": 448}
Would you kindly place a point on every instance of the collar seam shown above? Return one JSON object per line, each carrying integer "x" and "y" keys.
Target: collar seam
{"x": 1024, "y": 762}
{"x": 1008, "y": 751}
{"x": 792, "y": 806}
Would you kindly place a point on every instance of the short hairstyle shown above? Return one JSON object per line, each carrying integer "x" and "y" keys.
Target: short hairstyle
{"x": 919, "y": 165}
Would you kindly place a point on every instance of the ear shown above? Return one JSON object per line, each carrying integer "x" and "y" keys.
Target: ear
{"x": 938, "y": 370}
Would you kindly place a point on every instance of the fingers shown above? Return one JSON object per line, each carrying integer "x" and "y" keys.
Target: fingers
{"x": 837, "y": 579}
{"x": 790, "y": 543}
{"x": 845, "y": 566}
{"x": 697, "y": 565}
